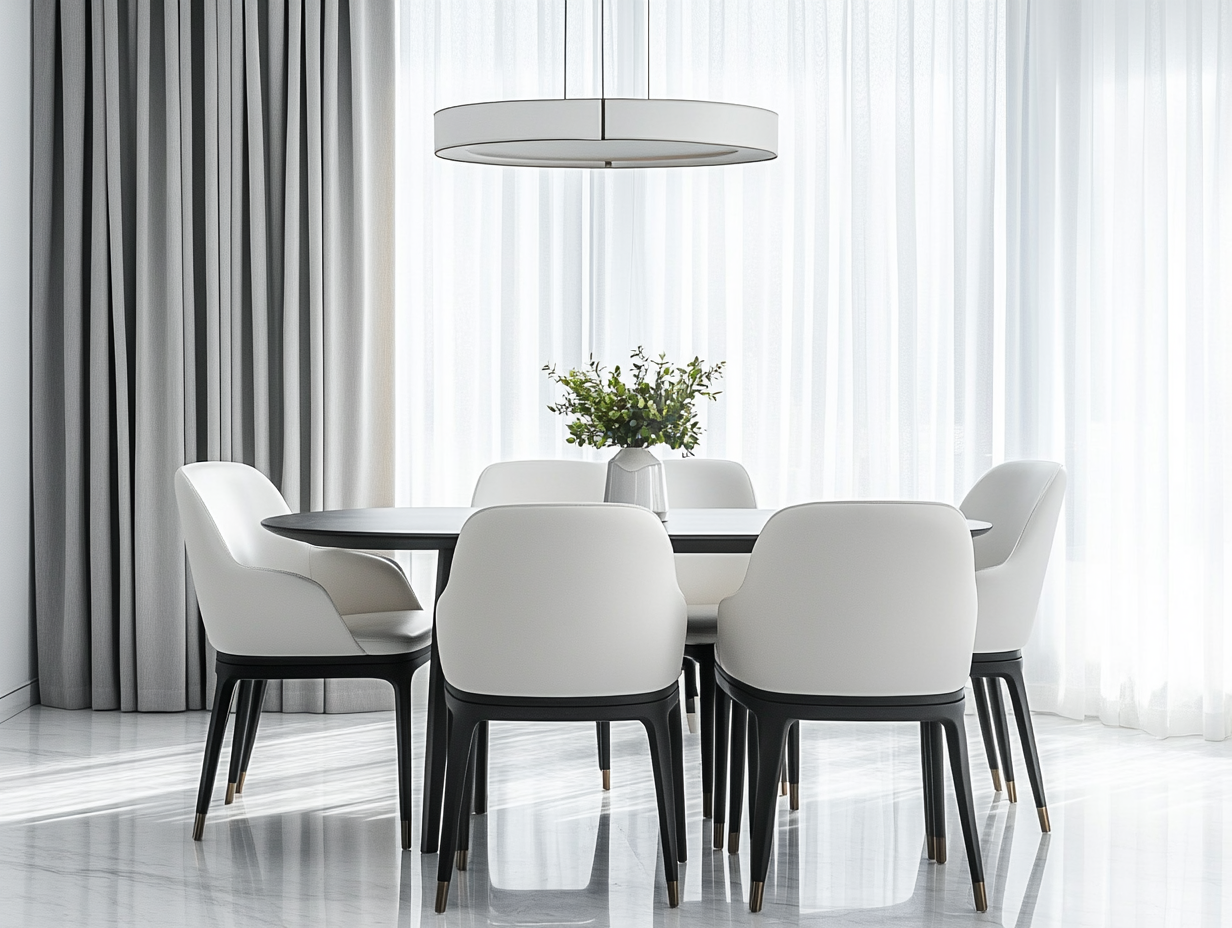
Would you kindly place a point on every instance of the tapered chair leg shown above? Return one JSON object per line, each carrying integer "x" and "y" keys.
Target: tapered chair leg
{"x": 462, "y": 849}
{"x": 793, "y": 765}
{"x": 690, "y": 693}
{"x": 926, "y": 771}
{"x": 960, "y": 771}
{"x": 481, "y": 768}
{"x": 402, "y": 720}
{"x": 243, "y": 709}
{"x": 735, "y": 778}
{"x": 997, "y": 708}
{"x": 936, "y": 781}
{"x": 771, "y": 735}
{"x": 603, "y": 735}
{"x": 722, "y": 718}
{"x": 454, "y": 817}
{"x": 677, "y": 771}
{"x": 990, "y": 745}
{"x": 250, "y": 731}
{"x": 706, "y": 669}
{"x": 1026, "y": 734}
{"x": 665, "y": 793}
{"x": 223, "y": 692}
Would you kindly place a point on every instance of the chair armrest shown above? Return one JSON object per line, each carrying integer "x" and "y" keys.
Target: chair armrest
{"x": 358, "y": 582}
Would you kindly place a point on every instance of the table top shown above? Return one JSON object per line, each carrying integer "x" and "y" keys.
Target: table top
{"x": 692, "y": 531}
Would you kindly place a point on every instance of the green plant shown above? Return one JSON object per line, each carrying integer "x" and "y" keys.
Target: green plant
{"x": 656, "y": 408}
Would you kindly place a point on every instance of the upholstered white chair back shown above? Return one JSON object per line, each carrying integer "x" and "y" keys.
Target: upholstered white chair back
{"x": 698, "y": 483}
{"x": 855, "y": 599}
{"x": 564, "y": 600}
{"x": 265, "y": 595}
{"x": 508, "y": 482}
{"x": 1022, "y": 500}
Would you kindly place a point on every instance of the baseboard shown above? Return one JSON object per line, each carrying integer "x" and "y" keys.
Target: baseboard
{"x": 19, "y": 700}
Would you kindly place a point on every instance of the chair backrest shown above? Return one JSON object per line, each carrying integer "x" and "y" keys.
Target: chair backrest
{"x": 508, "y": 482}
{"x": 254, "y": 587}
{"x": 1022, "y": 500}
{"x": 700, "y": 483}
{"x": 564, "y": 600}
{"x": 855, "y": 599}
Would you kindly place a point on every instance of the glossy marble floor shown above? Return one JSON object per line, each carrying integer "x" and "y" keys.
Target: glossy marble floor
{"x": 96, "y": 809}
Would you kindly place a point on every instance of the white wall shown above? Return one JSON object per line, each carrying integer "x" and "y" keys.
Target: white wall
{"x": 18, "y": 688}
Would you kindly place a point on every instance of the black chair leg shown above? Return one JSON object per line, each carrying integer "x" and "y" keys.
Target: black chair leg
{"x": 793, "y": 765}
{"x": 997, "y": 708}
{"x": 665, "y": 793}
{"x": 926, "y": 770}
{"x": 735, "y": 779}
{"x": 481, "y": 768}
{"x": 1026, "y": 734}
{"x": 402, "y": 721}
{"x": 689, "y": 668}
{"x": 936, "y": 796}
{"x": 454, "y": 817}
{"x": 250, "y": 732}
{"x": 990, "y": 743}
{"x": 223, "y": 692}
{"x": 603, "y": 735}
{"x": 722, "y": 718}
{"x": 677, "y": 741}
{"x": 960, "y": 770}
{"x": 706, "y": 669}
{"x": 243, "y": 709}
{"x": 771, "y": 736}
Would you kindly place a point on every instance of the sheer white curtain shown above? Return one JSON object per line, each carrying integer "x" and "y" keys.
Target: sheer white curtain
{"x": 849, "y": 284}
{"x": 1118, "y": 349}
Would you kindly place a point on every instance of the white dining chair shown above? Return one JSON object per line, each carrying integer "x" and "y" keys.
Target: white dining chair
{"x": 860, "y": 611}
{"x": 278, "y": 609}
{"x": 514, "y": 644}
{"x": 1022, "y": 500}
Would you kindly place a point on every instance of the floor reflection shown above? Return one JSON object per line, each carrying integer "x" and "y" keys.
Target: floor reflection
{"x": 95, "y": 812}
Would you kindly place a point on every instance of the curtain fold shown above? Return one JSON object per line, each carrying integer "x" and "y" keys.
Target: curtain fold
{"x": 211, "y": 280}
{"x": 1118, "y": 343}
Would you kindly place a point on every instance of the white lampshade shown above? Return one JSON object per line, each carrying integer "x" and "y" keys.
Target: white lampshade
{"x": 606, "y": 133}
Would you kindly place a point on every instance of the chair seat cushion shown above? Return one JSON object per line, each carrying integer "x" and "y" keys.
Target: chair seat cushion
{"x": 391, "y": 632}
{"x": 703, "y": 627}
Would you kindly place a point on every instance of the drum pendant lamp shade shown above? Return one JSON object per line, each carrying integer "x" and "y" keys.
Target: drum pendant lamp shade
{"x": 614, "y": 132}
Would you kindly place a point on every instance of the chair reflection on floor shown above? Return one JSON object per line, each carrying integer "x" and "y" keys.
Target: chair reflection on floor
{"x": 583, "y": 905}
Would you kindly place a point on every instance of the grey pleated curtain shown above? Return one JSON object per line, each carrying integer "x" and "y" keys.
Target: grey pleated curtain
{"x": 212, "y": 279}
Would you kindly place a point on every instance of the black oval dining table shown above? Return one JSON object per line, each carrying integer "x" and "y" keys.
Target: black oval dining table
{"x": 420, "y": 528}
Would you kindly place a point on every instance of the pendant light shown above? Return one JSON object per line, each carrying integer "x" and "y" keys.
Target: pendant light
{"x": 603, "y": 132}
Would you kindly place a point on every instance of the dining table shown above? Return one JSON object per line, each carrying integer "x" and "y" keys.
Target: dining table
{"x": 436, "y": 528}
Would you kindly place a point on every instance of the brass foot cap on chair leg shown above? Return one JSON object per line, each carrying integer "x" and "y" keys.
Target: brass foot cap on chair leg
{"x": 460, "y": 859}
{"x": 198, "y": 826}
{"x": 1045, "y": 825}
{"x": 794, "y": 791}
{"x": 230, "y": 794}
{"x": 996, "y": 779}
{"x": 981, "y": 898}
{"x": 406, "y": 834}
{"x": 691, "y": 717}
{"x": 939, "y": 850}
{"x": 239, "y": 786}
{"x": 718, "y": 836}
{"x": 673, "y": 894}
{"x": 442, "y": 895}
{"x": 930, "y": 843}
{"x": 733, "y": 842}
{"x": 1011, "y": 790}
{"x": 782, "y": 787}
{"x": 757, "y": 894}
{"x": 707, "y": 804}
{"x": 607, "y": 779}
